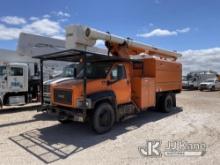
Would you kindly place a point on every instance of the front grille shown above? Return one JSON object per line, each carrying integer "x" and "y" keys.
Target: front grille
{"x": 46, "y": 88}
{"x": 63, "y": 96}
{"x": 203, "y": 85}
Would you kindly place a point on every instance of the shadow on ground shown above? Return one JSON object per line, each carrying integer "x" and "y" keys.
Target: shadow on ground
{"x": 20, "y": 109}
{"x": 59, "y": 141}
{"x": 38, "y": 117}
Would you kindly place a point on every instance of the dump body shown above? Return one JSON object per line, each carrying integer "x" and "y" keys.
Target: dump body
{"x": 157, "y": 76}
{"x": 167, "y": 74}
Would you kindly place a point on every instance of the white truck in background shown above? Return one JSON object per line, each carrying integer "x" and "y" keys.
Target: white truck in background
{"x": 19, "y": 72}
{"x": 210, "y": 84}
{"x": 19, "y": 84}
{"x": 193, "y": 79}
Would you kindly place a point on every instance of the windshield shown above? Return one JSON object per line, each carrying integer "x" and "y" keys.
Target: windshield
{"x": 209, "y": 80}
{"x": 68, "y": 72}
{"x": 2, "y": 70}
{"x": 96, "y": 70}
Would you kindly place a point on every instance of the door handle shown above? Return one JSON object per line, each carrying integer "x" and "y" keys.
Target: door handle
{"x": 104, "y": 82}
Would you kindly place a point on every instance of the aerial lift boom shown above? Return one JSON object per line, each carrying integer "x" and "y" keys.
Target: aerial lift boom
{"x": 116, "y": 45}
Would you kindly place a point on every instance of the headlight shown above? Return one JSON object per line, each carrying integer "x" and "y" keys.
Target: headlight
{"x": 80, "y": 103}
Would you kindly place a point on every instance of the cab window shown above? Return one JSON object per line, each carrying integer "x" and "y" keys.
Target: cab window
{"x": 118, "y": 72}
{"x": 2, "y": 70}
{"x": 15, "y": 71}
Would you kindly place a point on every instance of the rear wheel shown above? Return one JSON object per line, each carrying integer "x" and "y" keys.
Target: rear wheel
{"x": 168, "y": 102}
{"x": 103, "y": 118}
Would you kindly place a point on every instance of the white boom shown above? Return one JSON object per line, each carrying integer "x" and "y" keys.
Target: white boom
{"x": 32, "y": 45}
{"x": 85, "y": 36}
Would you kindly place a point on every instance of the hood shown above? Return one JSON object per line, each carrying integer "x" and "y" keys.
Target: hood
{"x": 68, "y": 83}
{"x": 185, "y": 82}
{"x": 92, "y": 85}
{"x": 207, "y": 83}
{"x": 57, "y": 80}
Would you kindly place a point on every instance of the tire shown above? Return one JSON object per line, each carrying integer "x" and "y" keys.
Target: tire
{"x": 1, "y": 103}
{"x": 103, "y": 118}
{"x": 174, "y": 99}
{"x": 213, "y": 88}
{"x": 167, "y": 103}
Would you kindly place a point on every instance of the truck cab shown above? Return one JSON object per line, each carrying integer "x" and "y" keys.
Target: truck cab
{"x": 102, "y": 78}
{"x": 14, "y": 82}
{"x": 210, "y": 84}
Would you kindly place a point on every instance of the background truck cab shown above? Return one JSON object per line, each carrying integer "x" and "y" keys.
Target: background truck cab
{"x": 210, "y": 84}
{"x": 16, "y": 83}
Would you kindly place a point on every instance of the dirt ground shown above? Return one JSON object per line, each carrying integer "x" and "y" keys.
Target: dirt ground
{"x": 30, "y": 137}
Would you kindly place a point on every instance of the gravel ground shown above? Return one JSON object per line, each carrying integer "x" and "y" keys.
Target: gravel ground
{"x": 30, "y": 137}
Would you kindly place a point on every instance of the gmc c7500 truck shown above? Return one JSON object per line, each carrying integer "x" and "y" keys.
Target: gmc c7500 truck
{"x": 110, "y": 87}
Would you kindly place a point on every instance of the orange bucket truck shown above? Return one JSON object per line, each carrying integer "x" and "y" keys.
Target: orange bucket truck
{"x": 130, "y": 78}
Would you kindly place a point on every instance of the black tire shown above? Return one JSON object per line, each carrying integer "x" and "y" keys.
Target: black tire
{"x": 213, "y": 88}
{"x": 167, "y": 103}
{"x": 174, "y": 99}
{"x": 1, "y": 103}
{"x": 103, "y": 118}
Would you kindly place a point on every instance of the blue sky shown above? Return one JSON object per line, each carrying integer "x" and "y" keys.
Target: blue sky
{"x": 180, "y": 25}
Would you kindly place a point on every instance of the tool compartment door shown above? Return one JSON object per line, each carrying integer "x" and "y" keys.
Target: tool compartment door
{"x": 143, "y": 92}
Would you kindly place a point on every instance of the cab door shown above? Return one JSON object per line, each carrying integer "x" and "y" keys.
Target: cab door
{"x": 3, "y": 78}
{"x": 217, "y": 82}
{"x": 120, "y": 83}
{"x": 17, "y": 78}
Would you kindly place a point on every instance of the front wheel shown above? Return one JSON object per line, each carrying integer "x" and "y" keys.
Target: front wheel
{"x": 213, "y": 88}
{"x": 200, "y": 89}
{"x": 103, "y": 118}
